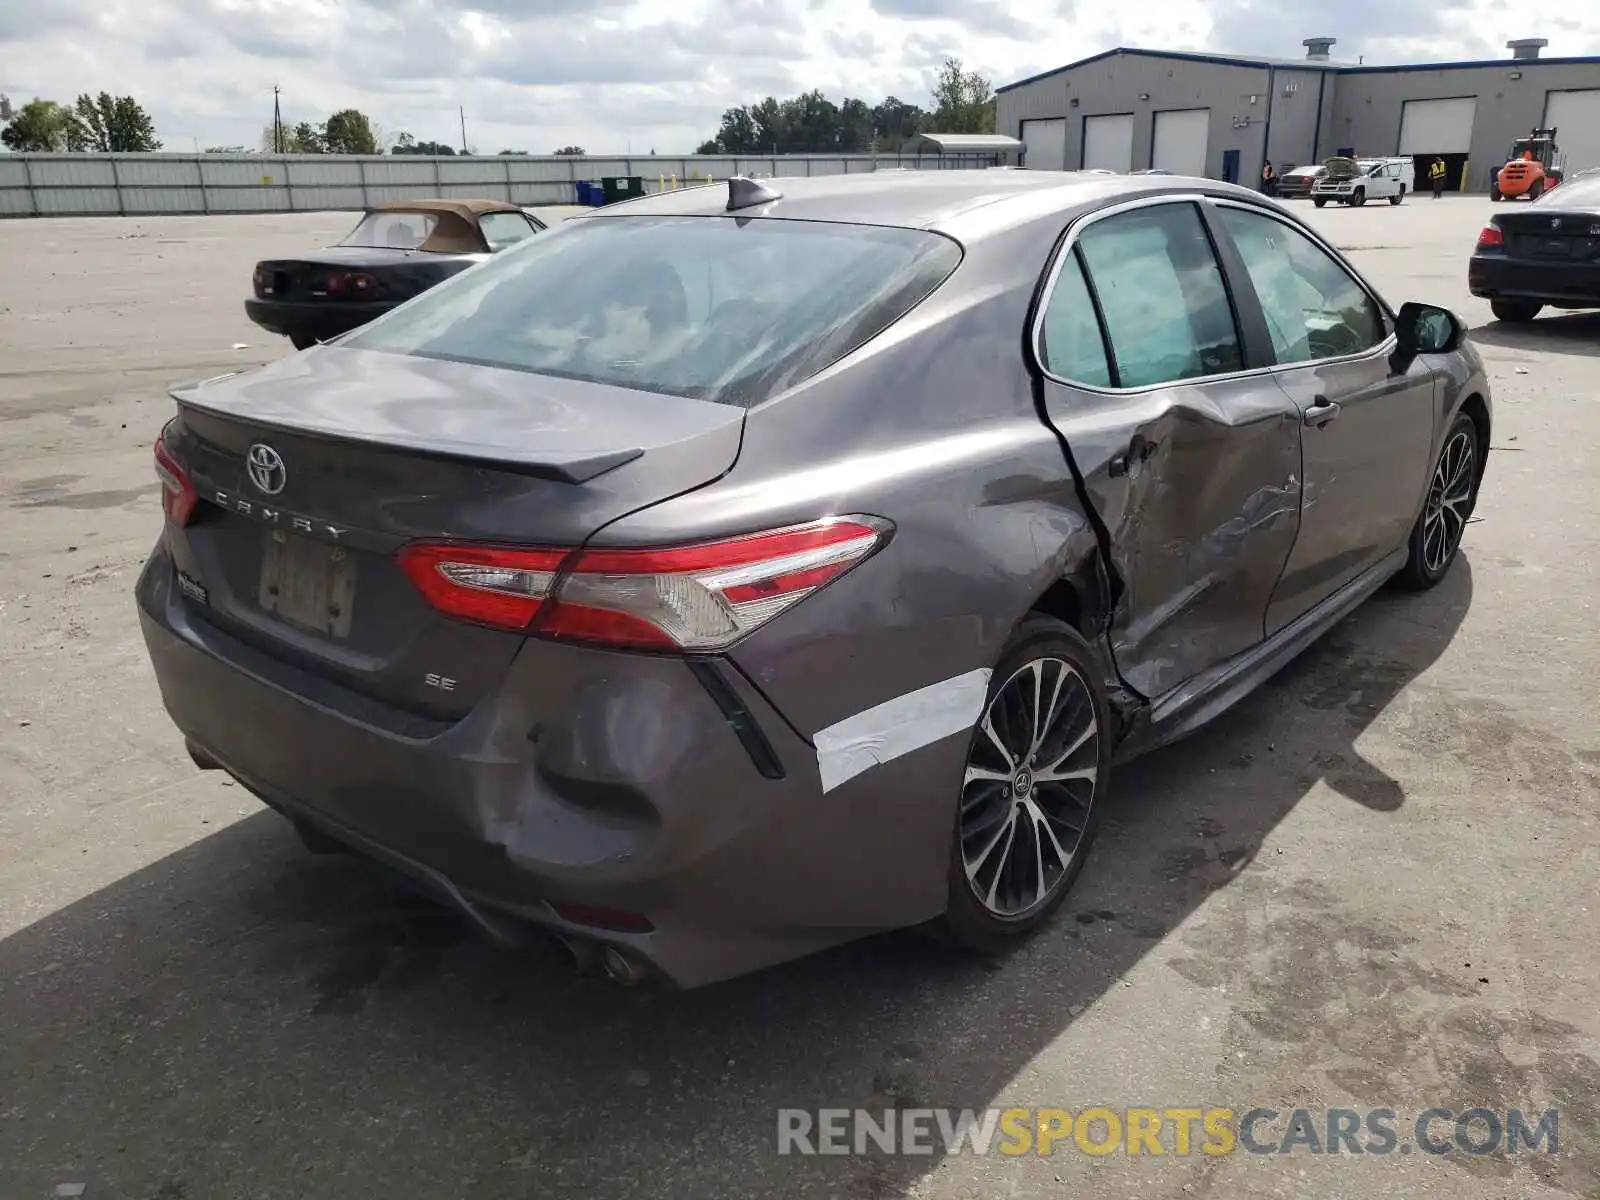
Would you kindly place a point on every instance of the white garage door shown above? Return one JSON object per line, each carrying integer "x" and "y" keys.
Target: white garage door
{"x": 1180, "y": 141}
{"x": 1436, "y": 126}
{"x": 1046, "y": 143}
{"x": 1108, "y": 143}
{"x": 1576, "y": 117}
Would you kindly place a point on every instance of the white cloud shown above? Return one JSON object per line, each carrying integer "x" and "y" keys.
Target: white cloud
{"x": 613, "y": 75}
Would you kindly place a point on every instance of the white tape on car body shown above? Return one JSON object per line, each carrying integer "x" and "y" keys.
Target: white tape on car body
{"x": 899, "y": 726}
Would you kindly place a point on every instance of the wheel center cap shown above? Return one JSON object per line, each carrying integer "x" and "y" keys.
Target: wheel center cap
{"x": 1022, "y": 785}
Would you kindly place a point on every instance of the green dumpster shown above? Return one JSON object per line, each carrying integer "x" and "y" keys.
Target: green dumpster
{"x": 621, "y": 187}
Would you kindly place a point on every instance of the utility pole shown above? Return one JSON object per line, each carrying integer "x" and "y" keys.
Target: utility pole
{"x": 277, "y": 123}
{"x": 463, "y": 111}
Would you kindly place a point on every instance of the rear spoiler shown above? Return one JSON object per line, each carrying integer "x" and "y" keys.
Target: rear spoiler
{"x": 562, "y": 468}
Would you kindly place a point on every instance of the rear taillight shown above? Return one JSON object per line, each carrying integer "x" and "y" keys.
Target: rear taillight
{"x": 1491, "y": 236}
{"x": 493, "y": 586}
{"x": 700, "y": 597}
{"x": 178, "y": 495}
{"x": 355, "y": 284}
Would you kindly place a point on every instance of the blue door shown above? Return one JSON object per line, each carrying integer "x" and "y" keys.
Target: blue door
{"x": 1230, "y": 166}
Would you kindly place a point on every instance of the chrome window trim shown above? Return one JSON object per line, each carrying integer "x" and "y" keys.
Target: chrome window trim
{"x": 1064, "y": 252}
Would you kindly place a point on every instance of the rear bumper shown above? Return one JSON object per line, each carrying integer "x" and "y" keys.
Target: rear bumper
{"x": 591, "y": 778}
{"x": 1553, "y": 282}
{"x": 319, "y": 319}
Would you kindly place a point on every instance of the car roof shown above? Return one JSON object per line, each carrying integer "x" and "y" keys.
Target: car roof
{"x": 455, "y": 229}
{"x": 466, "y": 208}
{"x": 957, "y": 202}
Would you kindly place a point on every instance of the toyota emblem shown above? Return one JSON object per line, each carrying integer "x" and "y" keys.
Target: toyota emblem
{"x": 1555, "y": 222}
{"x": 266, "y": 468}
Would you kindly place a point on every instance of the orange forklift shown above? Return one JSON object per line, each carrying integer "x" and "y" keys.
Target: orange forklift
{"x": 1533, "y": 167}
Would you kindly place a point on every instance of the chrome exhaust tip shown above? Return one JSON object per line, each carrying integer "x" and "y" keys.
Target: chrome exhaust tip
{"x": 580, "y": 954}
{"x": 622, "y": 968}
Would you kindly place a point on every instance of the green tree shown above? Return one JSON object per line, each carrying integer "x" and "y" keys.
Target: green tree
{"x": 963, "y": 101}
{"x": 349, "y": 132}
{"x": 41, "y": 127}
{"x": 896, "y": 121}
{"x": 572, "y": 152}
{"x": 115, "y": 125}
{"x": 304, "y": 138}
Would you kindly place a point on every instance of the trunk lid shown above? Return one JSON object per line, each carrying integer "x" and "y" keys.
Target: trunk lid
{"x": 396, "y": 272}
{"x": 369, "y": 451}
{"x": 1559, "y": 235}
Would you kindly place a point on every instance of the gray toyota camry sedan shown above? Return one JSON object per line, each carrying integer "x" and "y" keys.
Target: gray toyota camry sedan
{"x": 739, "y": 571}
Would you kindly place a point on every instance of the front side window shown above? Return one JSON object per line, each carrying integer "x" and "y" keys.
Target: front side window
{"x": 392, "y": 230}
{"x": 1314, "y": 308}
{"x": 1166, "y": 307}
{"x": 502, "y": 229}
{"x": 708, "y": 307}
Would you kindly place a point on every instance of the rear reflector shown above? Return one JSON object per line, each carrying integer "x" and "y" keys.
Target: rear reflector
{"x": 1491, "y": 236}
{"x": 178, "y": 495}
{"x": 699, "y": 597}
{"x": 602, "y": 918}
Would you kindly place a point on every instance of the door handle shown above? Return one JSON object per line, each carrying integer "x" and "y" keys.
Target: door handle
{"x": 1322, "y": 411}
{"x": 1139, "y": 449}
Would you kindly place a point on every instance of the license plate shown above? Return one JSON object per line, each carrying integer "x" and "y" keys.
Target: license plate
{"x": 308, "y": 584}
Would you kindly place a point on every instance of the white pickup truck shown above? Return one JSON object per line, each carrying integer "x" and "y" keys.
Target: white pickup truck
{"x": 1354, "y": 181}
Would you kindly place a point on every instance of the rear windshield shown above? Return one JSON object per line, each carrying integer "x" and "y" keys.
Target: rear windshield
{"x": 394, "y": 230}
{"x": 709, "y": 307}
{"x": 1582, "y": 191}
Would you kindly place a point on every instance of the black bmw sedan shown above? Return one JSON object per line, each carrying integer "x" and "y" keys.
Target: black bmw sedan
{"x": 1546, "y": 255}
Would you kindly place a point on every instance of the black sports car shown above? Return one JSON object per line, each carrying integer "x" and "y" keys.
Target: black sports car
{"x": 1547, "y": 254}
{"x": 396, "y": 252}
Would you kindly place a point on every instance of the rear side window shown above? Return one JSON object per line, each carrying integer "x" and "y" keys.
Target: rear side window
{"x": 1070, "y": 345}
{"x": 709, "y": 307}
{"x": 502, "y": 229}
{"x": 1166, "y": 307}
{"x": 392, "y": 230}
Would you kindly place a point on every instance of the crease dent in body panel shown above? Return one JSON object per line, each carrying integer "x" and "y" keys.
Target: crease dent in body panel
{"x": 886, "y": 731}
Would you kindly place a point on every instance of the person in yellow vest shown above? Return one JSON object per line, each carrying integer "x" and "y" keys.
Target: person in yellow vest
{"x": 1436, "y": 177}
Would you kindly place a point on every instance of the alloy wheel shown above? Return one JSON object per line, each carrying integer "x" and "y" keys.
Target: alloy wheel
{"x": 1030, "y": 785}
{"x": 1449, "y": 495}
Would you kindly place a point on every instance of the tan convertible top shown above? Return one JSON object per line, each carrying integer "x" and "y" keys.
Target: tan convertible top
{"x": 455, "y": 229}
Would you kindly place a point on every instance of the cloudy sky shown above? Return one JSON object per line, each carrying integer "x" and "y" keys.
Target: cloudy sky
{"x": 617, "y": 75}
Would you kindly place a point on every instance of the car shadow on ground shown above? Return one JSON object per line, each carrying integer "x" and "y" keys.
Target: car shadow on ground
{"x": 245, "y": 1018}
{"x": 1559, "y": 333}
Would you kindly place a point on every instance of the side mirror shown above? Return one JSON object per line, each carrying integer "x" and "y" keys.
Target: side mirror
{"x": 1427, "y": 329}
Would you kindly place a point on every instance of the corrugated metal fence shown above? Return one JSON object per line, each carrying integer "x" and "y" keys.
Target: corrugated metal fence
{"x": 60, "y": 185}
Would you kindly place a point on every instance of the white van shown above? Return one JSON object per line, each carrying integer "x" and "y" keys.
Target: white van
{"x": 1354, "y": 181}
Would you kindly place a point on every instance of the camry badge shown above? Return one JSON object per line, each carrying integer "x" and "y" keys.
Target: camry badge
{"x": 266, "y": 468}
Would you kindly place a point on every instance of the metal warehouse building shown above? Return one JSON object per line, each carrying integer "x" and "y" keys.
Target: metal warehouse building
{"x": 1222, "y": 116}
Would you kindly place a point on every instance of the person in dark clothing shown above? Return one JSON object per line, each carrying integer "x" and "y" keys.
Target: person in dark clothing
{"x": 1269, "y": 179}
{"x": 1436, "y": 177}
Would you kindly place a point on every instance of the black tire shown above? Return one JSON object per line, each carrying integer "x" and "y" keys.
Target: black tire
{"x": 1428, "y": 561}
{"x": 1494, "y": 195}
{"x": 1068, "y": 670}
{"x": 1518, "y": 312}
{"x": 1536, "y": 189}
{"x": 1398, "y": 196}
{"x": 1358, "y": 197}
{"x": 302, "y": 341}
{"x": 1319, "y": 201}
